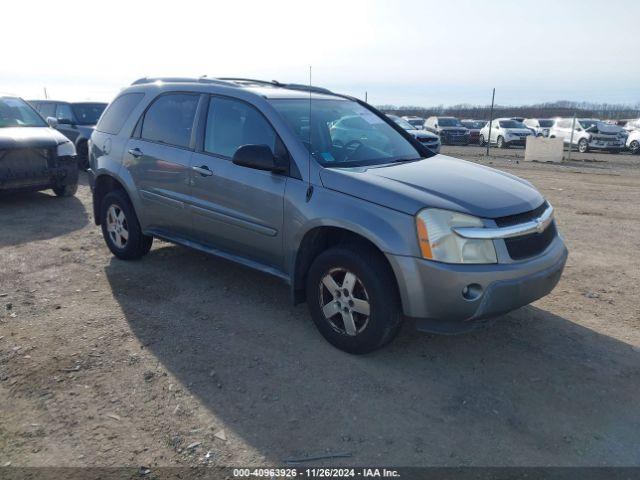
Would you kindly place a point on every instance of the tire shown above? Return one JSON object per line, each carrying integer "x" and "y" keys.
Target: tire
{"x": 121, "y": 229}
{"x": 83, "y": 156}
{"x": 583, "y": 146}
{"x": 66, "y": 190}
{"x": 481, "y": 141}
{"x": 634, "y": 147}
{"x": 372, "y": 286}
{"x": 501, "y": 143}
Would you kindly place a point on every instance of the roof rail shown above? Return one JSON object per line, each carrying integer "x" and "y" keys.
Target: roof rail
{"x": 218, "y": 81}
{"x": 275, "y": 83}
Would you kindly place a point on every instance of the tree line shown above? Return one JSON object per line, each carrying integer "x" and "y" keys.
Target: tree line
{"x": 563, "y": 108}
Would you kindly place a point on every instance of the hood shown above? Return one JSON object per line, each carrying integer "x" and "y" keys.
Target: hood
{"x": 440, "y": 182}
{"x": 606, "y": 128}
{"x": 30, "y": 137}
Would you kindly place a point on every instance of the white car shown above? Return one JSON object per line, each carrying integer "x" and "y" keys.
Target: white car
{"x": 632, "y": 125}
{"x": 633, "y": 142}
{"x": 505, "y": 132}
{"x": 539, "y": 126}
{"x": 416, "y": 122}
{"x": 588, "y": 134}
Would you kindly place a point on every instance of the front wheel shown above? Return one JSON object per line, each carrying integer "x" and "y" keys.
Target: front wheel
{"x": 583, "y": 146}
{"x": 634, "y": 147}
{"x": 481, "y": 141}
{"x": 501, "y": 143}
{"x": 121, "y": 229}
{"x": 353, "y": 298}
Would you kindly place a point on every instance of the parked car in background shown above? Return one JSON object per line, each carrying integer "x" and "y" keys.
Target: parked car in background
{"x": 33, "y": 156}
{"x": 632, "y": 125}
{"x": 633, "y": 142}
{"x": 428, "y": 139}
{"x": 539, "y": 126}
{"x": 588, "y": 134}
{"x": 416, "y": 122}
{"x": 76, "y": 120}
{"x": 518, "y": 119}
{"x": 505, "y": 132}
{"x": 366, "y": 235}
{"x": 450, "y": 130}
{"x": 474, "y": 127}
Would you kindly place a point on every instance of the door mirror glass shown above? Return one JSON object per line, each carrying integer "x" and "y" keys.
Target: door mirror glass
{"x": 259, "y": 157}
{"x": 64, "y": 121}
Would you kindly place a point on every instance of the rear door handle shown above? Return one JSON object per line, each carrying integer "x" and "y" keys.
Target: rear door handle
{"x": 135, "y": 152}
{"x": 203, "y": 170}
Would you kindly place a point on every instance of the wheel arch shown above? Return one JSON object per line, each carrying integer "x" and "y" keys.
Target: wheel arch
{"x": 104, "y": 184}
{"x": 317, "y": 240}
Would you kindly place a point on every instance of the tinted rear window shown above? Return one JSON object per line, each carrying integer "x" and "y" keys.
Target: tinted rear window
{"x": 170, "y": 119}
{"x": 117, "y": 113}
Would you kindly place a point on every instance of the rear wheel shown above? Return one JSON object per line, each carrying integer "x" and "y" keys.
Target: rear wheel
{"x": 481, "y": 141}
{"x": 353, "y": 298}
{"x": 634, "y": 147}
{"x": 583, "y": 146}
{"x": 121, "y": 229}
{"x": 66, "y": 190}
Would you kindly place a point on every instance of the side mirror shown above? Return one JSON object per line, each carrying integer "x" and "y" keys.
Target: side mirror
{"x": 53, "y": 122}
{"x": 64, "y": 121}
{"x": 259, "y": 157}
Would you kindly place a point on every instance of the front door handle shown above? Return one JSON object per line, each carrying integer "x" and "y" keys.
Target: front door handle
{"x": 203, "y": 170}
{"x": 135, "y": 152}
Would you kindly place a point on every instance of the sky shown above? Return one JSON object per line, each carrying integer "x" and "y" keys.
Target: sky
{"x": 403, "y": 52}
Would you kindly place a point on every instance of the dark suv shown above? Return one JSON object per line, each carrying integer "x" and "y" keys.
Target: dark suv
{"x": 361, "y": 220}
{"x": 76, "y": 120}
{"x": 33, "y": 156}
{"x": 450, "y": 130}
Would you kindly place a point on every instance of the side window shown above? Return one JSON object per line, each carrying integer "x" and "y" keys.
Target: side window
{"x": 117, "y": 113}
{"x": 63, "y": 112}
{"x": 231, "y": 124}
{"x": 47, "y": 109}
{"x": 169, "y": 120}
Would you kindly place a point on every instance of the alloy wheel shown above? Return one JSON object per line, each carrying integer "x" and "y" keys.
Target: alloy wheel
{"x": 117, "y": 226}
{"x": 344, "y": 301}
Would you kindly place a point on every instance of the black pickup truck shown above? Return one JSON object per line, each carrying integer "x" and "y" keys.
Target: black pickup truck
{"x": 33, "y": 156}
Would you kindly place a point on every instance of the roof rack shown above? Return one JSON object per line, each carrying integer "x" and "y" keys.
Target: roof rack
{"x": 233, "y": 82}
{"x": 218, "y": 81}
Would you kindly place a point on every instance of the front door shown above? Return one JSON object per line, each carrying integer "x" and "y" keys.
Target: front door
{"x": 237, "y": 209}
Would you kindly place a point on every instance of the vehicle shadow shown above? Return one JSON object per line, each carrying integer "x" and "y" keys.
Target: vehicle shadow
{"x": 534, "y": 389}
{"x": 32, "y": 216}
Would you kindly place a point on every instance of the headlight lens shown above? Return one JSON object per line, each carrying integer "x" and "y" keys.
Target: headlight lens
{"x": 66, "y": 149}
{"x": 439, "y": 242}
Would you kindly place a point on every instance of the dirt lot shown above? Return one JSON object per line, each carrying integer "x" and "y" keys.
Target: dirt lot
{"x": 180, "y": 355}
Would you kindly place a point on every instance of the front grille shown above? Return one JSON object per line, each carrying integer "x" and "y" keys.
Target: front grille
{"x": 521, "y": 217}
{"x": 530, "y": 245}
{"x": 25, "y": 164}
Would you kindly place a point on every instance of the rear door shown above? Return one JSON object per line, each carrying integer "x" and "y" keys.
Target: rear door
{"x": 237, "y": 209}
{"x": 158, "y": 158}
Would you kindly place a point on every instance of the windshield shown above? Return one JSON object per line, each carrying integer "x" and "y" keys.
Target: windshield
{"x": 402, "y": 122}
{"x": 15, "y": 112}
{"x": 415, "y": 122}
{"x": 344, "y": 133}
{"x": 449, "y": 122}
{"x": 475, "y": 124}
{"x": 588, "y": 122}
{"x": 545, "y": 123}
{"x": 88, "y": 113}
{"x": 511, "y": 124}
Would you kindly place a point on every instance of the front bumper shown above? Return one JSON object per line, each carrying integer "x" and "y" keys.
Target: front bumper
{"x": 432, "y": 292}
{"x": 594, "y": 145}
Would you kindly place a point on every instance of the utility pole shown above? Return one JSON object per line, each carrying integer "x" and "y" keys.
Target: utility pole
{"x": 46, "y": 97}
{"x": 366, "y": 97}
{"x": 573, "y": 126}
{"x": 493, "y": 97}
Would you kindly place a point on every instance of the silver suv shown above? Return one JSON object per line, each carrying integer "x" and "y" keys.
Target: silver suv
{"x": 368, "y": 230}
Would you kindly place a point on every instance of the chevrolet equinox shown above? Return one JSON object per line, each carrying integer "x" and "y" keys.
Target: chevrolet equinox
{"x": 365, "y": 224}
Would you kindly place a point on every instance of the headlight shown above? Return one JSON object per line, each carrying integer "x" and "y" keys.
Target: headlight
{"x": 66, "y": 149}
{"x": 439, "y": 242}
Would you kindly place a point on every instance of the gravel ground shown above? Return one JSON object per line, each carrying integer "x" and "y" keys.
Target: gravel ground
{"x": 184, "y": 359}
